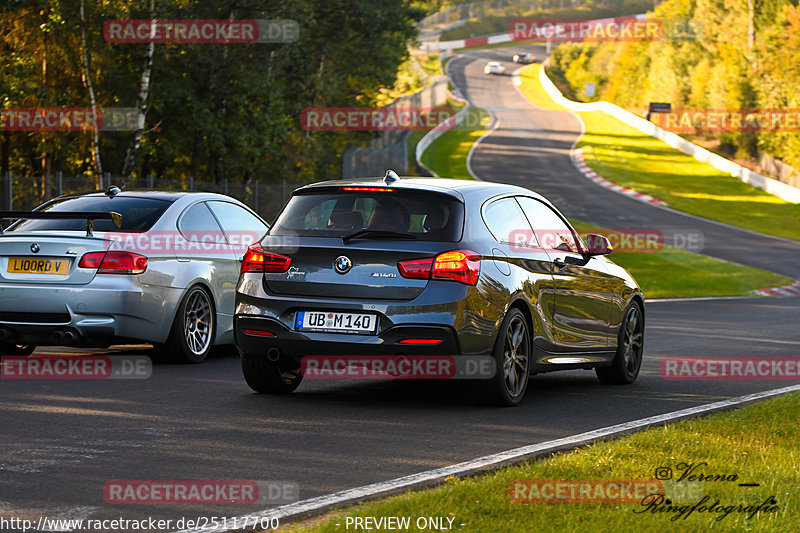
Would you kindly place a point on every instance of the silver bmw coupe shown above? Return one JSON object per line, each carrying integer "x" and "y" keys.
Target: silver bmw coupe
{"x": 114, "y": 267}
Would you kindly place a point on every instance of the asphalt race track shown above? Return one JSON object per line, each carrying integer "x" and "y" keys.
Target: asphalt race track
{"x": 62, "y": 440}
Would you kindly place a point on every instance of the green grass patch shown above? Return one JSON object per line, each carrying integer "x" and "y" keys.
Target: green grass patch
{"x": 447, "y": 156}
{"x": 629, "y": 158}
{"x": 674, "y": 273}
{"x": 756, "y": 444}
{"x": 411, "y": 143}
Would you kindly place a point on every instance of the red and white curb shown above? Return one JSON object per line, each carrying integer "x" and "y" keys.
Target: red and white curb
{"x": 789, "y": 290}
{"x": 577, "y": 159}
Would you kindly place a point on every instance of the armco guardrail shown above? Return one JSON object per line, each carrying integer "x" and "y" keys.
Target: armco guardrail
{"x": 772, "y": 186}
{"x": 437, "y": 132}
{"x": 495, "y": 38}
{"x": 504, "y": 37}
{"x": 442, "y": 127}
{"x": 389, "y": 150}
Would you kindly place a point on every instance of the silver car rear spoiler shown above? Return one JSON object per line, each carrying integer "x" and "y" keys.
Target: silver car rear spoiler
{"x": 90, "y": 217}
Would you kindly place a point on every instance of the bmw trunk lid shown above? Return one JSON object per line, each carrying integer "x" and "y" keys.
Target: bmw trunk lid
{"x": 47, "y": 258}
{"x": 324, "y": 267}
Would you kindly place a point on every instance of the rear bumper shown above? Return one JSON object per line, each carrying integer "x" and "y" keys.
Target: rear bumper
{"x": 295, "y": 344}
{"x": 108, "y": 308}
{"x": 457, "y": 314}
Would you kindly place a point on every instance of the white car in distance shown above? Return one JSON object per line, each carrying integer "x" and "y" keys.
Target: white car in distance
{"x": 494, "y": 67}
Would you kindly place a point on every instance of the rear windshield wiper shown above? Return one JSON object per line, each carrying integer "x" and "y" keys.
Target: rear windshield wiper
{"x": 377, "y": 234}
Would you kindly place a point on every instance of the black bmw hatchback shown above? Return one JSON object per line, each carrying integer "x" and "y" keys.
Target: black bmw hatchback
{"x": 421, "y": 266}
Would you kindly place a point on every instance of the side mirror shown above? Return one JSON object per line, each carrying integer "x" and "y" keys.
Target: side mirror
{"x": 598, "y": 245}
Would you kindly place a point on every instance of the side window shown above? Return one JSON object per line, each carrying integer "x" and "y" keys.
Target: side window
{"x": 551, "y": 231}
{"x": 240, "y": 225}
{"x": 505, "y": 220}
{"x": 198, "y": 225}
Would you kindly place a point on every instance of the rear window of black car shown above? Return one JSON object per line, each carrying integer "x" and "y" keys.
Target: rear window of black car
{"x": 138, "y": 214}
{"x": 428, "y": 216}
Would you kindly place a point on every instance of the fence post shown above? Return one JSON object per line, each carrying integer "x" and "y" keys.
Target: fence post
{"x": 255, "y": 196}
{"x": 226, "y": 186}
{"x": 150, "y": 180}
{"x": 7, "y": 190}
{"x": 10, "y": 178}
{"x": 283, "y": 192}
{"x": 191, "y": 183}
{"x": 107, "y": 181}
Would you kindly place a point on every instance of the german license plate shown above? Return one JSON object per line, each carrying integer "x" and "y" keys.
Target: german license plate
{"x": 331, "y": 322}
{"x": 27, "y": 265}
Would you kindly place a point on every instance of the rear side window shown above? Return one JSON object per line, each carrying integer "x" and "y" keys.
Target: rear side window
{"x": 198, "y": 224}
{"x": 236, "y": 220}
{"x": 138, "y": 214}
{"x": 506, "y": 221}
{"x": 551, "y": 231}
{"x": 427, "y": 216}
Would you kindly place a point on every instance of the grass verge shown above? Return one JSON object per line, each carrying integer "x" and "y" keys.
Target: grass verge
{"x": 675, "y": 273}
{"x": 629, "y": 158}
{"x": 447, "y": 156}
{"x": 754, "y": 444}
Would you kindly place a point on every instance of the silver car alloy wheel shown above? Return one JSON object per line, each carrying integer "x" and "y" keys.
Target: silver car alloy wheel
{"x": 197, "y": 319}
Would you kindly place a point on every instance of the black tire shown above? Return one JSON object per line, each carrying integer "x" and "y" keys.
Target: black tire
{"x": 630, "y": 346}
{"x": 270, "y": 378}
{"x": 16, "y": 349}
{"x": 512, "y": 354}
{"x": 193, "y": 329}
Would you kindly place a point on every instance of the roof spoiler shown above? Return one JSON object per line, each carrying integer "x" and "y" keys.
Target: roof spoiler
{"x": 90, "y": 217}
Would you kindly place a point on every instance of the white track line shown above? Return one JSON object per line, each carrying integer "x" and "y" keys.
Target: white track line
{"x": 430, "y": 477}
{"x": 476, "y": 143}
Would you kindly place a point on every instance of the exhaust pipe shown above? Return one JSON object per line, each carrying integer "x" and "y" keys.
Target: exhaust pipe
{"x": 69, "y": 336}
{"x": 2, "y": 334}
{"x": 58, "y": 336}
{"x": 273, "y": 354}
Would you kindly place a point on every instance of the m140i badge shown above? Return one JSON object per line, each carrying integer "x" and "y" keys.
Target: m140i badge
{"x": 382, "y": 275}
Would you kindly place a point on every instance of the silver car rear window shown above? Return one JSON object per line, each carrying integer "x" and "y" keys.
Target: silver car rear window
{"x": 138, "y": 214}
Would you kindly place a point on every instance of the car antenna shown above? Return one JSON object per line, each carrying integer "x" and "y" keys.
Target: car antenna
{"x": 391, "y": 177}
{"x": 113, "y": 191}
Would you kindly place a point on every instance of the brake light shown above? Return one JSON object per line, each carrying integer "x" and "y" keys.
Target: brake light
{"x": 463, "y": 266}
{"x": 114, "y": 262}
{"x": 366, "y": 189}
{"x": 257, "y": 260}
{"x": 416, "y": 268}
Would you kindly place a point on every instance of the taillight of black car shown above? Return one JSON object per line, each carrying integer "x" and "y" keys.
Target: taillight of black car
{"x": 258, "y": 260}
{"x": 463, "y": 266}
